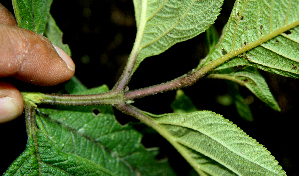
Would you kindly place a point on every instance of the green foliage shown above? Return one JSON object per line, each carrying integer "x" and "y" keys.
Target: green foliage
{"x": 260, "y": 25}
{"x": 69, "y": 140}
{"x": 254, "y": 81}
{"x": 216, "y": 146}
{"x": 166, "y": 23}
{"x": 32, "y": 14}
{"x": 182, "y": 103}
{"x": 86, "y": 140}
{"x": 242, "y": 106}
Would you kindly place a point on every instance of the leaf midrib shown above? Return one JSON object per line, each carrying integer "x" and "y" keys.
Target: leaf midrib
{"x": 211, "y": 156}
{"x": 252, "y": 45}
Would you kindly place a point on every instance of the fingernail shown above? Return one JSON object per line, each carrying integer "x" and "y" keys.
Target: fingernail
{"x": 8, "y": 110}
{"x": 66, "y": 58}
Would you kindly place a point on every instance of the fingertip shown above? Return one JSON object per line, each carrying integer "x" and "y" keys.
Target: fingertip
{"x": 65, "y": 57}
{"x": 11, "y": 102}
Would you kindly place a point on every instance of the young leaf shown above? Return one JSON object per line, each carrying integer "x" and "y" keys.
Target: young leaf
{"x": 255, "y": 82}
{"x": 87, "y": 140}
{"x": 167, "y": 22}
{"x": 214, "y": 145}
{"x": 242, "y": 107}
{"x": 32, "y": 14}
{"x": 263, "y": 34}
{"x": 212, "y": 38}
{"x": 182, "y": 103}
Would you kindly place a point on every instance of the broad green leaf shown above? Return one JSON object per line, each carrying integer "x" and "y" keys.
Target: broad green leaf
{"x": 87, "y": 140}
{"x": 263, "y": 34}
{"x": 54, "y": 34}
{"x": 163, "y": 23}
{"x": 255, "y": 82}
{"x": 32, "y": 14}
{"x": 214, "y": 145}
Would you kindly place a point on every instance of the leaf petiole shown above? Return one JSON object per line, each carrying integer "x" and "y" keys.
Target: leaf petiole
{"x": 127, "y": 73}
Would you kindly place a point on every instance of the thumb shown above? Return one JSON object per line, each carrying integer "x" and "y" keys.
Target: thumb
{"x": 31, "y": 57}
{"x": 11, "y": 102}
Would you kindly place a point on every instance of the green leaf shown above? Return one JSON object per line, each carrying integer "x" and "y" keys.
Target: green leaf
{"x": 32, "y": 14}
{"x": 214, "y": 145}
{"x": 242, "y": 106}
{"x": 263, "y": 34}
{"x": 255, "y": 82}
{"x": 87, "y": 140}
{"x": 212, "y": 38}
{"x": 54, "y": 34}
{"x": 163, "y": 23}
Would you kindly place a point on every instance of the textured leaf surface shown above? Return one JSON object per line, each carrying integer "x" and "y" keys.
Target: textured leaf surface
{"x": 255, "y": 82}
{"x": 32, "y": 14}
{"x": 270, "y": 27}
{"x": 87, "y": 140}
{"x": 217, "y": 146}
{"x": 168, "y": 22}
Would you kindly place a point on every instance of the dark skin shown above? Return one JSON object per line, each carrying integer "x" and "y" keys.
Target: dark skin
{"x": 29, "y": 57}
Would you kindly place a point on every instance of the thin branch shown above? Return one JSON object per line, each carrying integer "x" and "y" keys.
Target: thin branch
{"x": 31, "y": 128}
{"x": 108, "y": 98}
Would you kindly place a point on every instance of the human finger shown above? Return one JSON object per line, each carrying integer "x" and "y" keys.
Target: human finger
{"x": 6, "y": 17}
{"x": 11, "y": 102}
{"x": 31, "y": 57}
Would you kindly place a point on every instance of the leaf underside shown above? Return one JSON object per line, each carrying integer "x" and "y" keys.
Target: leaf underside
{"x": 255, "y": 82}
{"x": 217, "y": 146}
{"x": 171, "y": 21}
{"x": 251, "y": 21}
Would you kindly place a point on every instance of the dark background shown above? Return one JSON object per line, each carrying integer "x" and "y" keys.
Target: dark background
{"x": 101, "y": 33}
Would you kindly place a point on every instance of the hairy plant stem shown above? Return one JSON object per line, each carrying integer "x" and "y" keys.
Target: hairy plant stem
{"x": 108, "y": 98}
{"x": 31, "y": 127}
{"x": 117, "y": 94}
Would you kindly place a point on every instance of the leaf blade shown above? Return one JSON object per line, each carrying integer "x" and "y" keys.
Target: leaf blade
{"x": 170, "y": 21}
{"x": 253, "y": 26}
{"x": 254, "y": 81}
{"x": 32, "y": 15}
{"x": 227, "y": 149}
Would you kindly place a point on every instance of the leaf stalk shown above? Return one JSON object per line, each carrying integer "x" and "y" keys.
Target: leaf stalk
{"x": 127, "y": 73}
